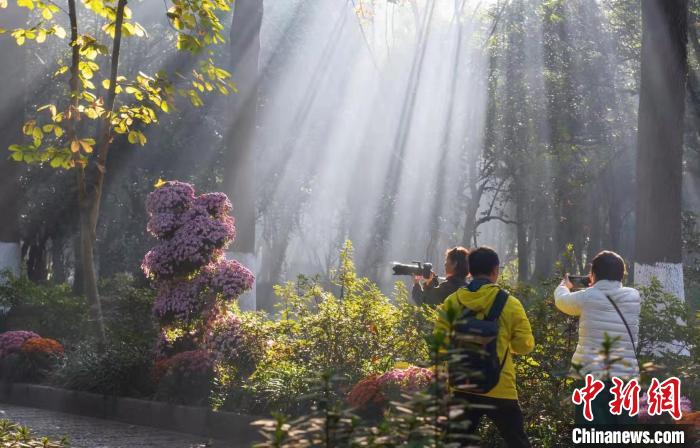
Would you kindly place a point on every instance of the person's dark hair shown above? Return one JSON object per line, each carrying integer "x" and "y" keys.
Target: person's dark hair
{"x": 460, "y": 257}
{"x": 482, "y": 261}
{"x": 608, "y": 265}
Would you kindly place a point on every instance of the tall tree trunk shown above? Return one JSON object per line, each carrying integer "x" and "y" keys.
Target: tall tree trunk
{"x": 239, "y": 158}
{"x": 658, "y": 244}
{"x": 87, "y": 236}
{"x": 11, "y": 118}
{"x": 91, "y": 176}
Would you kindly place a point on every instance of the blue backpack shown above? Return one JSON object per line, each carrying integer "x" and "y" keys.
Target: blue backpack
{"x": 474, "y": 365}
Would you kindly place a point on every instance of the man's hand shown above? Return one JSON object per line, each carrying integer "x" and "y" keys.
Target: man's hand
{"x": 429, "y": 280}
{"x": 566, "y": 282}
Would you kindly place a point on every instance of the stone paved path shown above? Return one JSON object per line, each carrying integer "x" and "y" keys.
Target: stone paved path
{"x": 87, "y": 432}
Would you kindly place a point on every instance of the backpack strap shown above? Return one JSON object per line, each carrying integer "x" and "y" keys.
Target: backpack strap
{"x": 494, "y": 313}
{"x": 497, "y": 307}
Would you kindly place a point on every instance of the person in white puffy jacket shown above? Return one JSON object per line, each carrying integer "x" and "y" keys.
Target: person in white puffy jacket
{"x": 598, "y": 316}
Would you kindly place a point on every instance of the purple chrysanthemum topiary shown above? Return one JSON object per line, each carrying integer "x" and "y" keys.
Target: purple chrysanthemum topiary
{"x": 172, "y": 197}
{"x": 163, "y": 225}
{"x": 216, "y": 204}
{"x": 230, "y": 278}
{"x": 188, "y": 263}
{"x": 179, "y": 300}
{"x": 177, "y": 258}
{"x": 193, "y": 230}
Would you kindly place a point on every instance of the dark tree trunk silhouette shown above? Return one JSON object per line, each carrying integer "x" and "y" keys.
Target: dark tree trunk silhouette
{"x": 658, "y": 245}
{"x": 245, "y": 51}
{"x": 239, "y": 180}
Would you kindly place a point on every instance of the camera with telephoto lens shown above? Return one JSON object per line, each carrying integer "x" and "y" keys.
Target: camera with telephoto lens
{"x": 420, "y": 268}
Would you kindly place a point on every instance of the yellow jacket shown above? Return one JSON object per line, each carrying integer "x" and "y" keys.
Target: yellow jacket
{"x": 513, "y": 330}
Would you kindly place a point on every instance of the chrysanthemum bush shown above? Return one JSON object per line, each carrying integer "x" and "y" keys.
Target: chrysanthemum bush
{"x": 12, "y": 341}
{"x": 378, "y": 390}
{"x": 26, "y": 356}
{"x": 196, "y": 287}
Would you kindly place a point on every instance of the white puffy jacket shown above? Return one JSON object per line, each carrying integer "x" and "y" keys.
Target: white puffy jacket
{"x": 597, "y": 316}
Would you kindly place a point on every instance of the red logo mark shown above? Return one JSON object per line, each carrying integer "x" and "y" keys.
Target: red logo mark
{"x": 665, "y": 397}
{"x": 625, "y": 396}
{"x": 586, "y": 394}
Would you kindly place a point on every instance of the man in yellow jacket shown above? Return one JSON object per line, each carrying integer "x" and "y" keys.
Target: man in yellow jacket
{"x": 514, "y": 336}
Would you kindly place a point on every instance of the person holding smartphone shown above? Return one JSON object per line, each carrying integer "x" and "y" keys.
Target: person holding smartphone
{"x": 606, "y": 307}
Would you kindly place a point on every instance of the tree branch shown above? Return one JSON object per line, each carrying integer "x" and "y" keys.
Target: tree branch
{"x": 486, "y": 219}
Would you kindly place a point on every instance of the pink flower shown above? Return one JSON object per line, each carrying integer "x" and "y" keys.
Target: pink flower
{"x": 12, "y": 341}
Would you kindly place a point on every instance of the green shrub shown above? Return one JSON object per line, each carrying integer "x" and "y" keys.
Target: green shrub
{"x": 122, "y": 369}
{"x": 127, "y": 311}
{"x": 357, "y": 333}
{"x": 50, "y": 310}
{"x": 53, "y": 311}
{"x": 669, "y": 339}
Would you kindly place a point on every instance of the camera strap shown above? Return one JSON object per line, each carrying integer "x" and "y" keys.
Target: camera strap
{"x": 624, "y": 321}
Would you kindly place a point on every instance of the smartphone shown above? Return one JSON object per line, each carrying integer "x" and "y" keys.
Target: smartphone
{"x": 580, "y": 281}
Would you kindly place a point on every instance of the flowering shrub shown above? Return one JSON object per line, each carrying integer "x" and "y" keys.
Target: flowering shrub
{"x": 12, "y": 341}
{"x": 193, "y": 230}
{"x": 26, "y": 356}
{"x": 379, "y": 389}
{"x": 228, "y": 341}
{"x": 189, "y": 363}
{"x": 366, "y": 392}
{"x": 42, "y": 346}
{"x": 188, "y": 263}
{"x": 195, "y": 284}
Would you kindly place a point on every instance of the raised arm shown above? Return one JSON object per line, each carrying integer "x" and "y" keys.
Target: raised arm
{"x": 569, "y": 302}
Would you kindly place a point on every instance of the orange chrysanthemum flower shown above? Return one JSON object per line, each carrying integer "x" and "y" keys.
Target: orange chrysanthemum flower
{"x": 42, "y": 345}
